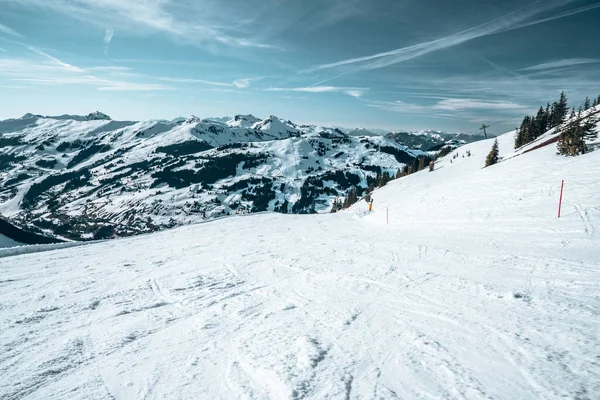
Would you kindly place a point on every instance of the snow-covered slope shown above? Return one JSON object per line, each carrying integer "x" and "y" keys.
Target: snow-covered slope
{"x": 474, "y": 289}
{"x": 83, "y": 177}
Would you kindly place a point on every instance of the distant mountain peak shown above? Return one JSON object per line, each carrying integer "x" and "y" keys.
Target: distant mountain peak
{"x": 243, "y": 121}
{"x": 193, "y": 120}
{"x": 97, "y": 116}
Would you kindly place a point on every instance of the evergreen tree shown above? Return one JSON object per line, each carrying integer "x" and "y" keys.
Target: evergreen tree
{"x": 422, "y": 162}
{"x": 527, "y": 132}
{"x": 572, "y": 113}
{"x": 337, "y": 205}
{"x": 415, "y": 166}
{"x": 493, "y": 156}
{"x": 560, "y": 110}
{"x": 540, "y": 123}
{"x": 444, "y": 152}
{"x": 572, "y": 139}
{"x": 518, "y": 139}
{"x": 379, "y": 181}
{"x": 351, "y": 198}
{"x": 553, "y": 117}
{"x": 586, "y": 103}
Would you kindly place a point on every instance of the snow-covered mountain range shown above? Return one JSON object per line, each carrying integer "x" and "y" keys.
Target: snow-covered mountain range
{"x": 431, "y": 140}
{"x": 83, "y": 176}
{"x": 427, "y": 139}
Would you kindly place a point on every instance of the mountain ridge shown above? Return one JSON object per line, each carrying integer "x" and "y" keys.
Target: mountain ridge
{"x": 82, "y": 177}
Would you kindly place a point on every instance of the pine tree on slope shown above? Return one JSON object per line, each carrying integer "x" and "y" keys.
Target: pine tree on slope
{"x": 492, "y": 158}
{"x": 560, "y": 110}
{"x": 573, "y": 137}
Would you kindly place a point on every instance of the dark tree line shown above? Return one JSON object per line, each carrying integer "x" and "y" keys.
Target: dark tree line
{"x": 417, "y": 164}
{"x": 547, "y": 118}
{"x": 552, "y": 116}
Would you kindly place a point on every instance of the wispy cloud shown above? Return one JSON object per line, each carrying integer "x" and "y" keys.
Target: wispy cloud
{"x": 241, "y": 83}
{"x": 189, "y": 21}
{"x": 9, "y": 31}
{"x": 101, "y": 83}
{"x": 398, "y": 106}
{"x": 516, "y": 19}
{"x": 445, "y": 105}
{"x": 108, "y": 35}
{"x": 52, "y": 71}
{"x": 350, "y": 91}
{"x": 244, "y": 82}
{"x": 567, "y": 62}
{"x": 2, "y": 50}
{"x": 567, "y": 13}
{"x": 65, "y": 66}
{"x": 469, "y": 104}
{"x": 110, "y": 68}
{"x": 192, "y": 80}
{"x": 132, "y": 87}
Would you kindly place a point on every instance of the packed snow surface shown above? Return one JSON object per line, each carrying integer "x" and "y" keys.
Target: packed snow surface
{"x": 474, "y": 289}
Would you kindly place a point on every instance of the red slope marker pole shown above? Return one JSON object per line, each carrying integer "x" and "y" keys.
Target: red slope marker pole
{"x": 561, "y": 194}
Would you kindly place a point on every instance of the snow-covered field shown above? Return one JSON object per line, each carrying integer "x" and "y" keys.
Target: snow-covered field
{"x": 473, "y": 290}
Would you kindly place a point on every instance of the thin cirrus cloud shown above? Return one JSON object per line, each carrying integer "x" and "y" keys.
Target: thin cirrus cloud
{"x": 448, "y": 104}
{"x": 350, "y": 91}
{"x": 471, "y": 104}
{"x": 10, "y": 31}
{"x": 241, "y": 83}
{"x": 63, "y": 65}
{"x": 57, "y": 72}
{"x": 568, "y": 62}
{"x": 245, "y": 82}
{"x": 108, "y": 36}
{"x": 188, "y": 21}
{"x": 49, "y": 70}
{"x": 516, "y": 19}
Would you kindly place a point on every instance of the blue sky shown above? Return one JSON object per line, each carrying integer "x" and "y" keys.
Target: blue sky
{"x": 390, "y": 64}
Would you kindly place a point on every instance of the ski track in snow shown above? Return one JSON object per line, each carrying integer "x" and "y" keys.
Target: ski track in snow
{"x": 477, "y": 292}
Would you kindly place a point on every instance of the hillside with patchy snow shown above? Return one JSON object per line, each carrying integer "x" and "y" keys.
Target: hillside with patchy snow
{"x": 462, "y": 283}
{"x": 83, "y": 177}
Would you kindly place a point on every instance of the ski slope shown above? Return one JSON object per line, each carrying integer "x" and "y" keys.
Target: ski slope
{"x": 474, "y": 290}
